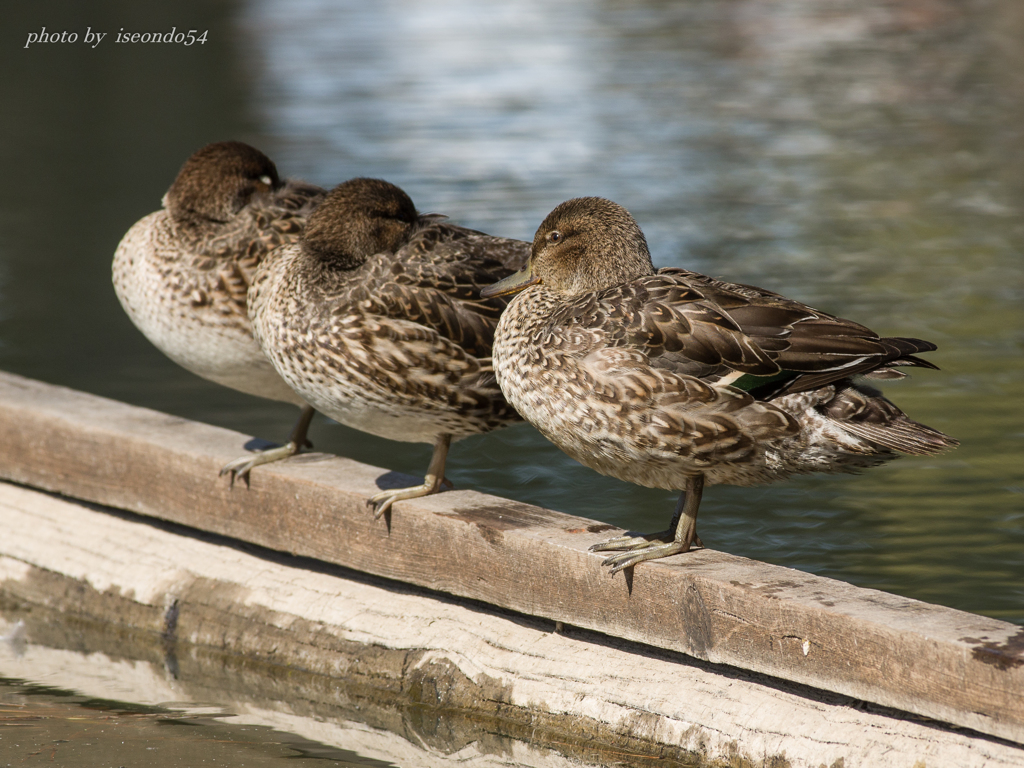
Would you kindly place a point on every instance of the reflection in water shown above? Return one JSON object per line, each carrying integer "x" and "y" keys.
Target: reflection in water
{"x": 51, "y": 726}
{"x": 864, "y": 157}
{"x": 102, "y": 698}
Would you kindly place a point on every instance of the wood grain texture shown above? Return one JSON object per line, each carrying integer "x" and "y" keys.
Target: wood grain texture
{"x": 565, "y": 688}
{"x": 945, "y": 664}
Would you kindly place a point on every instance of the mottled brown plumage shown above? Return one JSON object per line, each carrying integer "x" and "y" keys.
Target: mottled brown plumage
{"x": 375, "y": 318}
{"x": 182, "y": 273}
{"x": 671, "y": 379}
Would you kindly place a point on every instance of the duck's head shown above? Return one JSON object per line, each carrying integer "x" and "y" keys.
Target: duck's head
{"x": 584, "y": 245}
{"x": 218, "y": 181}
{"x": 357, "y": 219}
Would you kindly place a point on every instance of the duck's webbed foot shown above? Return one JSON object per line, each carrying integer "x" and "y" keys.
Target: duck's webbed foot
{"x": 432, "y": 481}
{"x": 680, "y": 536}
{"x": 239, "y": 468}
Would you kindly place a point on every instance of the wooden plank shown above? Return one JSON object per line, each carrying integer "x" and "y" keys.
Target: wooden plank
{"x": 597, "y": 702}
{"x": 949, "y": 665}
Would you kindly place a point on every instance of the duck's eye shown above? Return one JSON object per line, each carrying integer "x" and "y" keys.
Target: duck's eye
{"x": 267, "y": 180}
{"x": 554, "y": 236}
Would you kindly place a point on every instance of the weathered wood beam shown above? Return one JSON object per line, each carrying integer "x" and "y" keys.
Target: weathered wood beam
{"x": 362, "y": 651}
{"x": 949, "y": 665}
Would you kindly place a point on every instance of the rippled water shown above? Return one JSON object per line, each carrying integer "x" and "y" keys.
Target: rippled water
{"x": 44, "y": 725}
{"x": 859, "y": 155}
{"x": 95, "y": 698}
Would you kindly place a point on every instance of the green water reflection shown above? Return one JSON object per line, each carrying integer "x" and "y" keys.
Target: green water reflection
{"x": 106, "y": 696}
{"x": 50, "y": 726}
{"x": 865, "y": 157}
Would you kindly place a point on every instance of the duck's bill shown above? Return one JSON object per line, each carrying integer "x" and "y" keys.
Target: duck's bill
{"x": 511, "y": 284}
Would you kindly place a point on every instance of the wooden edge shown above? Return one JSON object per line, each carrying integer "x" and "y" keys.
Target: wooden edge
{"x": 934, "y": 661}
{"x": 284, "y": 644}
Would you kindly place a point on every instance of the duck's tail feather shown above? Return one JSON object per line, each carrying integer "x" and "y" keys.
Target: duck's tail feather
{"x": 864, "y": 412}
{"x": 903, "y": 435}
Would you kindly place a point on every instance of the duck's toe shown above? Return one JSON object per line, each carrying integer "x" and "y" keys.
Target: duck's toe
{"x": 649, "y": 546}
{"x": 239, "y": 468}
{"x": 381, "y": 502}
{"x": 637, "y": 549}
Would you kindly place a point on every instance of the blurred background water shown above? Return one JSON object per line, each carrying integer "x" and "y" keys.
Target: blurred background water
{"x": 863, "y": 156}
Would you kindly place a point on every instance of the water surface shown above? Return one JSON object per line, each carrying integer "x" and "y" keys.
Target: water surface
{"x": 79, "y": 693}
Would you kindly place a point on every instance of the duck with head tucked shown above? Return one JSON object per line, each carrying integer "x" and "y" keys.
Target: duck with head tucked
{"x": 671, "y": 379}
{"x": 374, "y": 318}
{"x": 182, "y": 273}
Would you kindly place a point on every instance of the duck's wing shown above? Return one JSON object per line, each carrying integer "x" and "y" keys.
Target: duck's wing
{"x": 810, "y": 348}
{"x": 435, "y": 281}
{"x": 227, "y": 263}
{"x": 297, "y": 196}
{"x": 411, "y": 324}
{"x": 647, "y": 355}
{"x": 673, "y": 324}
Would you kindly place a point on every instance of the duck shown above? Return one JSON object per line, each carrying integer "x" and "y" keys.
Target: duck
{"x": 672, "y": 379}
{"x": 182, "y": 273}
{"x": 373, "y": 316}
